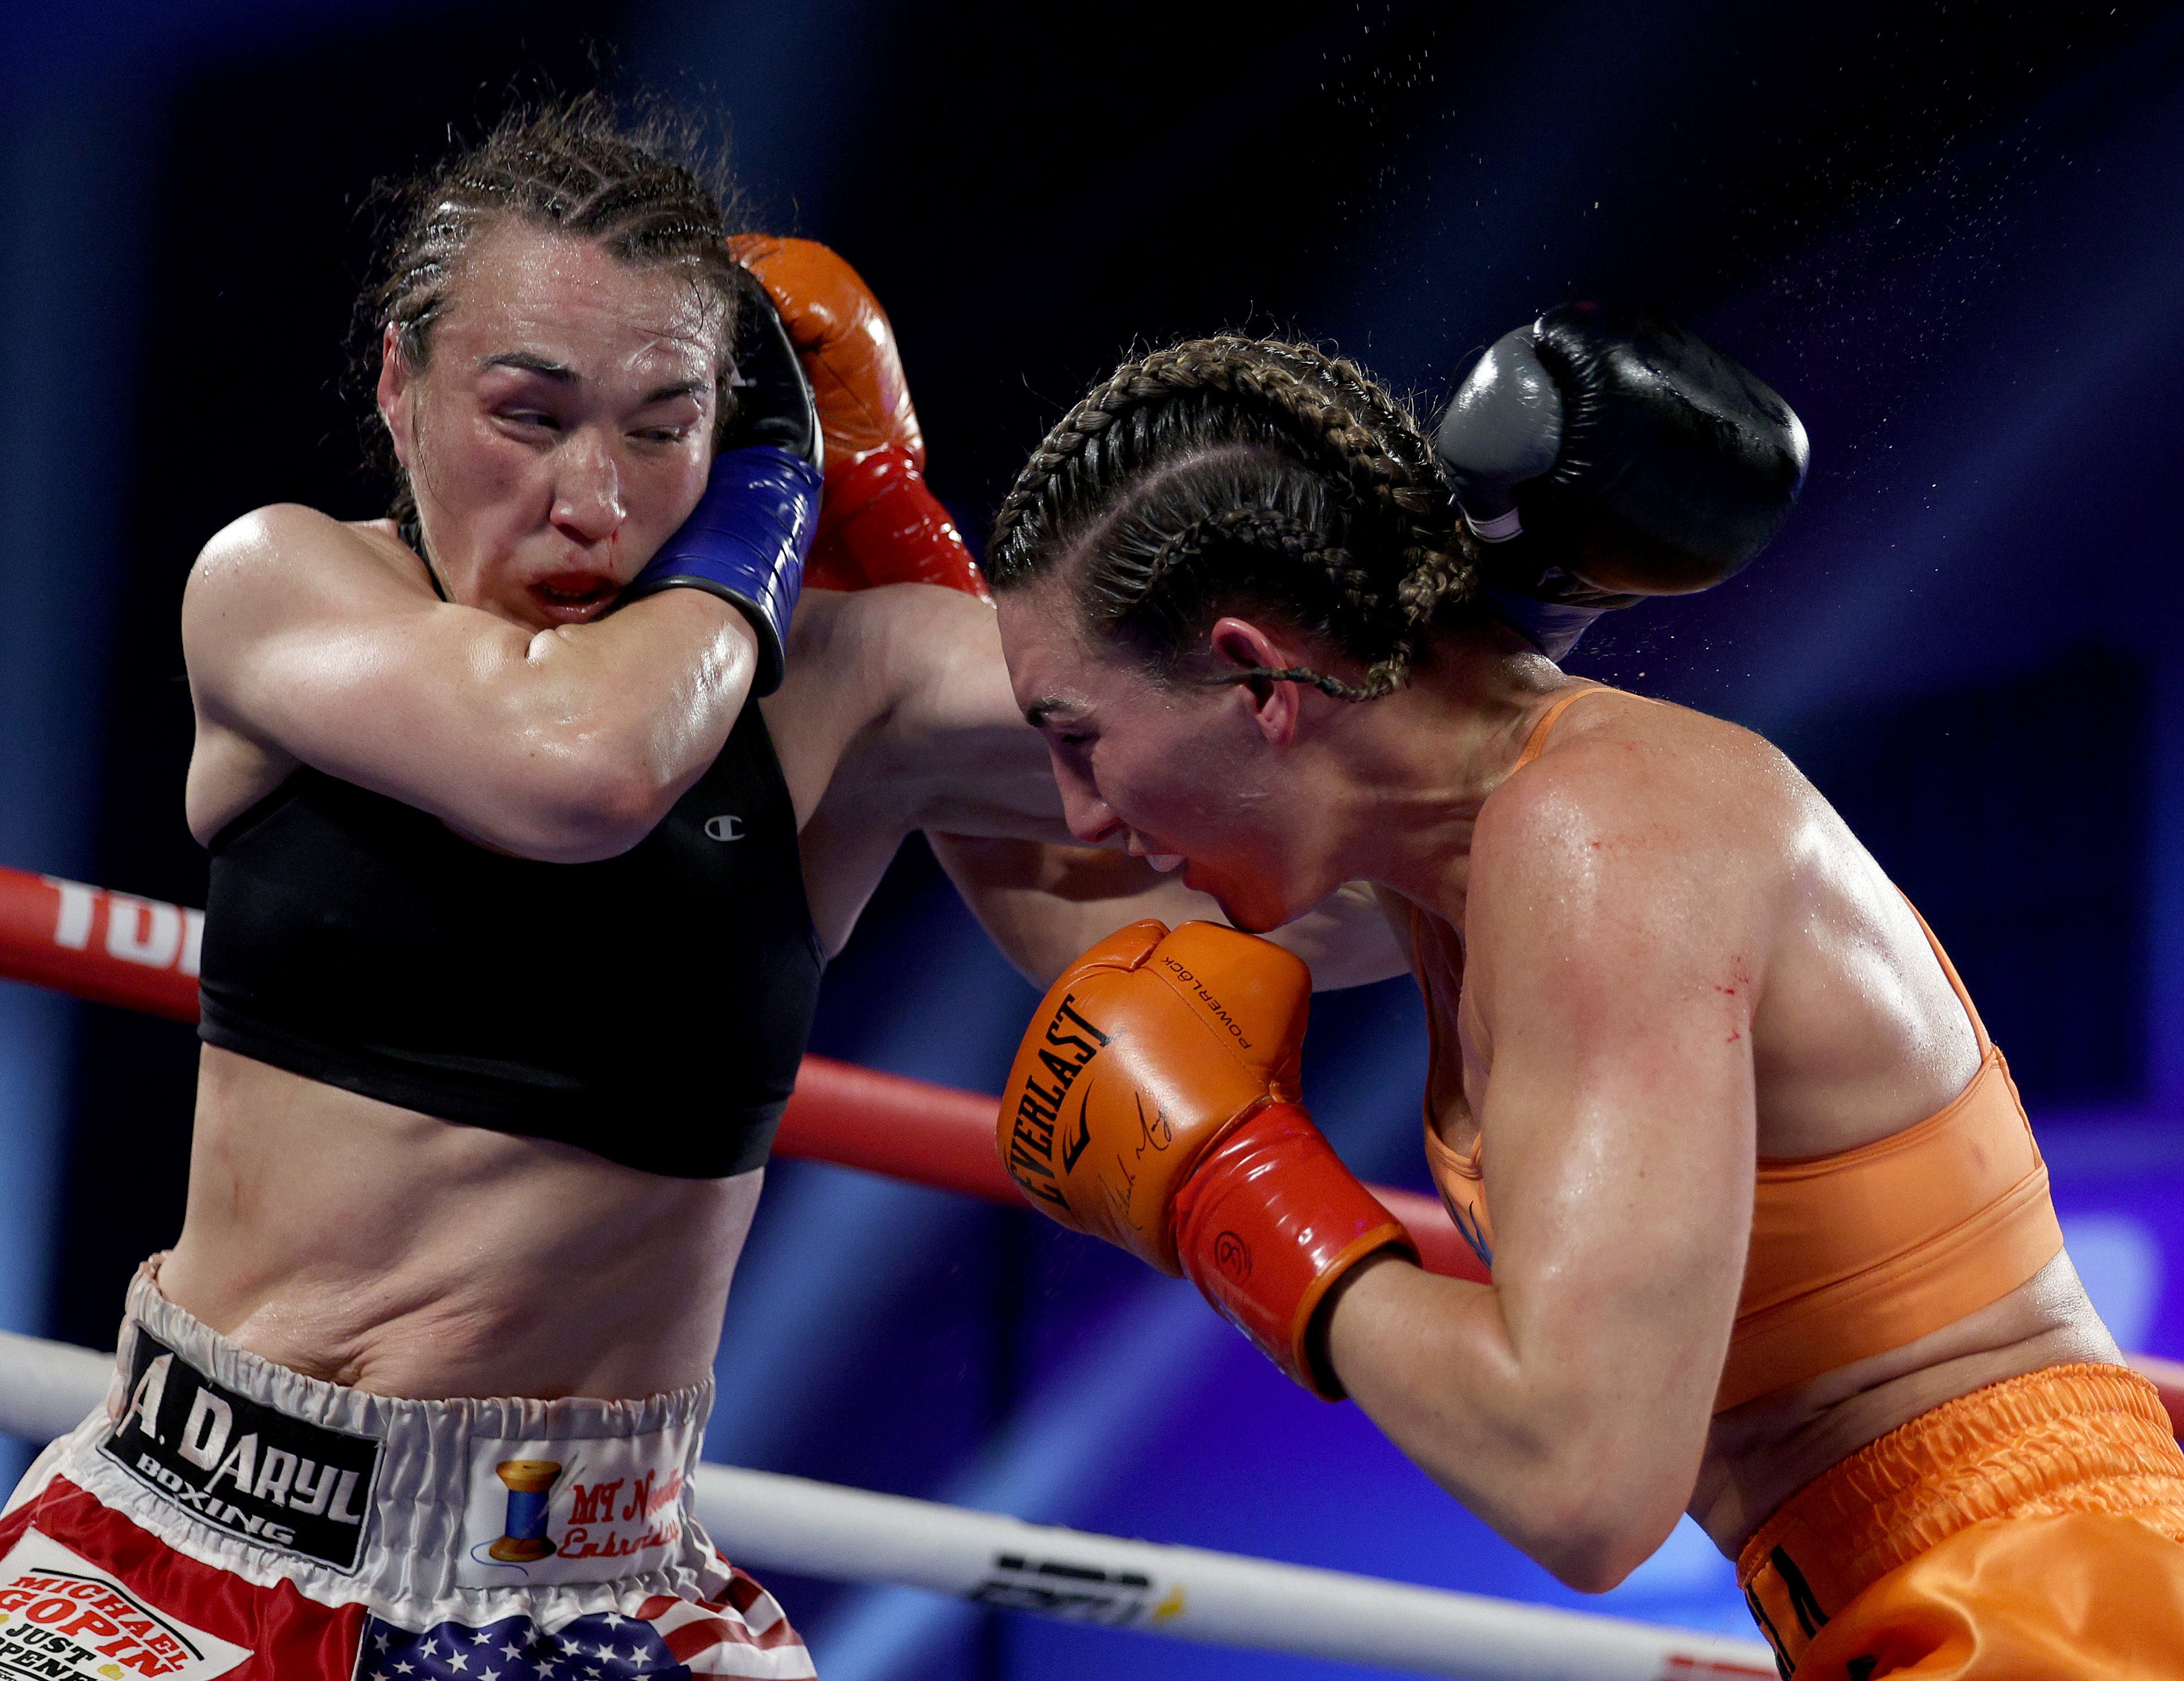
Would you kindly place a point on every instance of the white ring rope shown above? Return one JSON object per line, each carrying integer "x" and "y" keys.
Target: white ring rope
{"x": 47, "y": 1389}
{"x": 764, "y": 1521}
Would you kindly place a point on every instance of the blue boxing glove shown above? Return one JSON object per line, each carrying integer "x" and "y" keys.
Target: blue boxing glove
{"x": 1600, "y": 456}
{"x": 745, "y": 542}
{"x": 746, "y": 539}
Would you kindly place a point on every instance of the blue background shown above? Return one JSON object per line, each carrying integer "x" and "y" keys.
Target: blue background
{"x": 1951, "y": 236}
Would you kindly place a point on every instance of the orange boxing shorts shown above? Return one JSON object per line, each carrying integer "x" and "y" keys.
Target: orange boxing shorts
{"x": 2031, "y": 1529}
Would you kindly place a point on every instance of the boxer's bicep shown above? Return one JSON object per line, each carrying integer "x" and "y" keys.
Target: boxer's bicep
{"x": 564, "y": 745}
{"x": 1614, "y": 956}
{"x": 1043, "y": 904}
{"x": 952, "y": 741}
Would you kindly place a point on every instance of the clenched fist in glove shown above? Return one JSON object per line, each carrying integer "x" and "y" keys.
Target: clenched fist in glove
{"x": 878, "y": 523}
{"x": 1154, "y": 1103}
{"x": 1603, "y": 455}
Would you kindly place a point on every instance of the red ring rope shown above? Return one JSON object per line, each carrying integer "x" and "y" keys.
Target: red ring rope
{"x": 112, "y": 948}
{"x": 141, "y": 954}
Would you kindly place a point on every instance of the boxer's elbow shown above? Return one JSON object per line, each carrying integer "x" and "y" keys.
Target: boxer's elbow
{"x": 574, "y": 800}
{"x": 606, "y": 817}
{"x": 1574, "y": 1478}
{"x": 1591, "y": 1551}
{"x": 1601, "y": 1509}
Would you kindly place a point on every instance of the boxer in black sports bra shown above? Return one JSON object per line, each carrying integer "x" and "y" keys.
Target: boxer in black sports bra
{"x": 358, "y": 943}
{"x": 520, "y": 903}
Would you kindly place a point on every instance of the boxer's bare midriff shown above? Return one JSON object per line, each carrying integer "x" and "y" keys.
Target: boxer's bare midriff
{"x": 373, "y": 1246}
{"x": 1760, "y": 1454}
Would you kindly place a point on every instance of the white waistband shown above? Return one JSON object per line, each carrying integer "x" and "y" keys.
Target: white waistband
{"x": 422, "y": 1509}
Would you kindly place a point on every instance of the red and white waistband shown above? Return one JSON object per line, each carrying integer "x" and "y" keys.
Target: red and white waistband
{"x": 425, "y": 1511}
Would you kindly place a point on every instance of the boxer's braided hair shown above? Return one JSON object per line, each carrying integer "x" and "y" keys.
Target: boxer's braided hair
{"x": 639, "y": 188}
{"x": 1235, "y": 471}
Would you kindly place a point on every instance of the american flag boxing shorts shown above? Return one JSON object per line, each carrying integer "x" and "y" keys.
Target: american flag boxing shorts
{"x": 222, "y": 1516}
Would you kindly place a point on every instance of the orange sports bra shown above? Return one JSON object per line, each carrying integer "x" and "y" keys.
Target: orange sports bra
{"x": 1851, "y": 1254}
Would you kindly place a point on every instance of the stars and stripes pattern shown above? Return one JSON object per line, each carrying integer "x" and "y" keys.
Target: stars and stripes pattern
{"x": 684, "y": 1639}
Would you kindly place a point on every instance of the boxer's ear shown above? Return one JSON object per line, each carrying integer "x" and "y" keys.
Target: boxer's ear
{"x": 1250, "y": 653}
{"x": 397, "y": 381}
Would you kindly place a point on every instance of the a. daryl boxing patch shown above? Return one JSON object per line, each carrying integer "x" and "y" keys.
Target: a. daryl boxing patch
{"x": 61, "y": 1615}
{"x": 240, "y": 1466}
{"x": 1072, "y": 1042}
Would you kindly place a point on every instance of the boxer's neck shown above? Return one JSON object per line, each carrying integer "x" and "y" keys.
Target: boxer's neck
{"x": 1409, "y": 772}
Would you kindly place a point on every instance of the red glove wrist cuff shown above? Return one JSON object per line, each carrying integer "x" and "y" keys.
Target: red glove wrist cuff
{"x": 880, "y": 524}
{"x": 1267, "y": 1223}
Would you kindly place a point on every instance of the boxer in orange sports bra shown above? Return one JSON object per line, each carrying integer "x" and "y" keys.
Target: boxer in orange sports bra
{"x": 1770, "y": 1239}
{"x": 1867, "y": 1249}
{"x": 1852, "y": 1253}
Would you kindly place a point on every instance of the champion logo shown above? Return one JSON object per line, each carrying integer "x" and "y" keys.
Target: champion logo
{"x": 724, "y": 828}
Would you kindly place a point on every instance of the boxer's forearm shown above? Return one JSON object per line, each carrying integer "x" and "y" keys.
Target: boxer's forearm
{"x": 1043, "y": 904}
{"x": 563, "y": 743}
{"x": 1542, "y": 1444}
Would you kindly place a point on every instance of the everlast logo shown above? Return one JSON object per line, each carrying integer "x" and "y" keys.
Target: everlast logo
{"x": 241, "y": 1467}
{"x": 1031, "y": 1139}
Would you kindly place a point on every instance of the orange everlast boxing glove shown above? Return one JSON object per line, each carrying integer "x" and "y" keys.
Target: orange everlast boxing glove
{"x": 1154, "y": 1104}
{"x": 879, "y": 522}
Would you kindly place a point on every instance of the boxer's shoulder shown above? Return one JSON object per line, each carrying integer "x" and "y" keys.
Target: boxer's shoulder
{"x": 286, "y": 554}
{"x": 292, "y": 529}
{"x": 1622, "y": 758}
{"x": 1632, "y": 802}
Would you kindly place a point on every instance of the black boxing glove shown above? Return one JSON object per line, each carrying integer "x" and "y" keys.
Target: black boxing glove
{"x": 1602, "y": 456}
{"x": 773, "y": 401}
{"x": 747, "y": 538}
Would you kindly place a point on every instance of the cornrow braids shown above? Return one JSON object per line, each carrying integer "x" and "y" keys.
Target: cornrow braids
{"x": 1231, "y": 470}
{"x": 639, "y": 189}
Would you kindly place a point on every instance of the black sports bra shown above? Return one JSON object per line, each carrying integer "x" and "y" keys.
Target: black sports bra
{"x": 651, "y": 1008}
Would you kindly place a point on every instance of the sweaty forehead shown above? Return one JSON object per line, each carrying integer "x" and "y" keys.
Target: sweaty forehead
{"x": 1055, "y": 671}
{"x": 554, "y": 293}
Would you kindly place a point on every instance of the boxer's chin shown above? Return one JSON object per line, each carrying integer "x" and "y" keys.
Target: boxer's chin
{"x": 1254, "y": 912}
